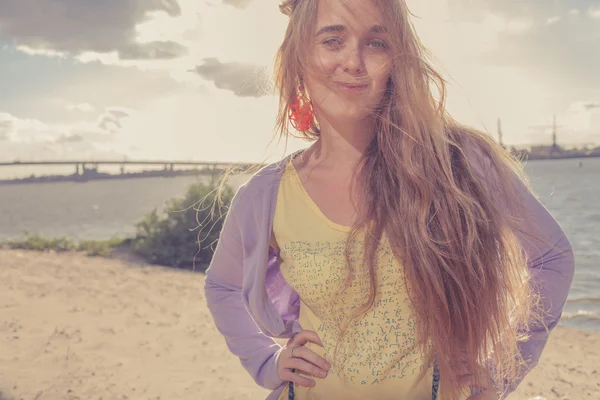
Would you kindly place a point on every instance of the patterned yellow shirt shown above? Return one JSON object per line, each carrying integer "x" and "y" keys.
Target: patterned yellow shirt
{"x": 377, "y": 359}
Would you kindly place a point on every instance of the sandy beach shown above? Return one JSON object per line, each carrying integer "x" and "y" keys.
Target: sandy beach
{"x": 77, "y": 327}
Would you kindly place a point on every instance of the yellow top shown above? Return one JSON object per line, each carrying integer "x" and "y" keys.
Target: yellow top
{"x": 377, "y": 359}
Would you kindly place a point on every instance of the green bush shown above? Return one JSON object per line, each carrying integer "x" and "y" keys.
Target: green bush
{"x": 100, "y": 248}
{"x": 184, "y": 235}
{"x": 37, "y": 242}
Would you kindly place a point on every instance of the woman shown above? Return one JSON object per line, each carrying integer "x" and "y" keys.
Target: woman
{"x": 401, "y": 253}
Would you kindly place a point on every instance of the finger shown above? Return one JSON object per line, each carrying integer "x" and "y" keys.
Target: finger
{"x": 305, "y": 367}
{"x": 465, "y": 373}
{"x": 312, "y": 357}
{"x": 461, "y": 367}
{"x": 481, "y": 396}
{"x": 299, "y": 380}
{"x": 464, "y": 380}
{"x": 307, "y": 336}
{"x": 486, "y": 394}
{"x": 470, "y": 380}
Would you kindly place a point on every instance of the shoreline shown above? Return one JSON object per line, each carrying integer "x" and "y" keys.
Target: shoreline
{"x": 78, "y": 327}
{"x": 199, "y": 173}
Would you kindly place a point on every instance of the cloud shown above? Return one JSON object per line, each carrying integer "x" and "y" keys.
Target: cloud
{"x": 152, "y": 51}
{"x": 82, "y": 107}
{"x": 70, "y": 139}
{"x": 245, "y": 80}
{"x": 250, "y": 35}
{"x": 31, "y": 139}
{"x": 591, "y": 105}
{"x": 237, "y": 3}
{"x": 75, "y": 27}
{"x": 82, "y": 92}
{"x": 57, "y": 150}
{"x": 579, "y": 122}
{"x": 23, "y": 129}
{"x": 553, "y": 20}
{"x": 29, "y": 130}
{"x": 541, "y": 10}
{"x": 110, "y": 120}
{"x": 548, "y": 52}
{"x": 6, "y": 127}
{"x": 166, "y": 116}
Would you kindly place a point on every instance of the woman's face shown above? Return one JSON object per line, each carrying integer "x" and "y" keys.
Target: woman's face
{"x": 351, "y": 60}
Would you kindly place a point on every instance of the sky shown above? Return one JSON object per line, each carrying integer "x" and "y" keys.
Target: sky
{"x": 185, "y": 79}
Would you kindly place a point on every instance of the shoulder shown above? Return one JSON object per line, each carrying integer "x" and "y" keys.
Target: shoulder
{"x": 261, "y": 184}
{"x": 482, "y": 155}
{"x": 473, "y": 146}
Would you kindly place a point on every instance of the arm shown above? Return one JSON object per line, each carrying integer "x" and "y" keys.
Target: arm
{"x": 550, "y": 261}
{"x": 257, "y": 352}
{"x": 551, "y": 265}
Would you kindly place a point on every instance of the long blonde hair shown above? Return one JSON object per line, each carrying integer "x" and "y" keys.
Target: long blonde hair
{"x": 445, "y": 196}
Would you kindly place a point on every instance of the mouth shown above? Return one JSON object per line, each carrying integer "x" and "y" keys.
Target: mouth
{"x": 353, "y": 87}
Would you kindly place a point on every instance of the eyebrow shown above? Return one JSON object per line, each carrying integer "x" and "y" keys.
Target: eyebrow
{"x": 342, "y": 28}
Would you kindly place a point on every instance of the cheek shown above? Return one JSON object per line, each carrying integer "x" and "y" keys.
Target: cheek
{"x": 380, "y": 72}
{"x": 319, "y": 78}
{"x": 324, "y": 64}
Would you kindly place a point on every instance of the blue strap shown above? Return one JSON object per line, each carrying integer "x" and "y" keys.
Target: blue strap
{"x": 436, "y": 381}
{"x": 291, "y": 388}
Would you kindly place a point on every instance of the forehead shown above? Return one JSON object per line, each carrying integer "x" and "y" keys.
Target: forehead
{"x": 354, "y": 14}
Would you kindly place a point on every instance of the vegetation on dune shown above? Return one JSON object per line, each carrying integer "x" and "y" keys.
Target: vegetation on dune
{"x": 183, "y": 235}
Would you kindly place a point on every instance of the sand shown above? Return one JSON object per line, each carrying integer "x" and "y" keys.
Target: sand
{"x": 77, "y": 327}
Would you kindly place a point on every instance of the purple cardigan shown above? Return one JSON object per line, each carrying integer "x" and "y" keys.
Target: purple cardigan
{"x": 251, "y": 303}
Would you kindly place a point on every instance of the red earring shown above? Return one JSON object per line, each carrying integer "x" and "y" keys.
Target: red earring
{"x": 301, "y": 112}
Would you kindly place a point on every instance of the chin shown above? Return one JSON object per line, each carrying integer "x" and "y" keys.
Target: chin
{"x": 344, "y": 112}
{"x": 353, "y": 114}
{"x": 358, "y": 110}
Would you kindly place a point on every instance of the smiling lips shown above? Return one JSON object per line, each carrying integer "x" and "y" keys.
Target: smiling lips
{"x": 353, "y": 87}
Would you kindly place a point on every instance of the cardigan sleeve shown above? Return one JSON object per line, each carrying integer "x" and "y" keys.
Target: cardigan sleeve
{"x": 257, "y": 352}
{"x": 550, "y": 261}
{"x": 551, "y": 266}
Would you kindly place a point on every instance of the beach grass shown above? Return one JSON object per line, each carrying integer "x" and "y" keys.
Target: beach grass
{"x": 37, "y": 242}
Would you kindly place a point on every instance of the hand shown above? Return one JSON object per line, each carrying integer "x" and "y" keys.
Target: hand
{"x": 466, "y": 378}
{"x": 305, "y": 361}
{"x": 485, "y": 395}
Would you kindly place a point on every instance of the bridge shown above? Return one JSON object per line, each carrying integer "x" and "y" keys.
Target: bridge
{"x": 89, "y": 169}
{"x": 113, "y": 162}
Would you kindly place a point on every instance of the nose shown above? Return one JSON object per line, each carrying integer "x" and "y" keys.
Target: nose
{"x": 353, "y": 61}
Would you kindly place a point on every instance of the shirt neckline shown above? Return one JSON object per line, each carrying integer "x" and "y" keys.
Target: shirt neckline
{"x": 312, "y": 204}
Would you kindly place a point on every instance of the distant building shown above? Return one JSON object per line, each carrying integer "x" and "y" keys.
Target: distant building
{"x": 550, "y": 151}
{"x": 542, "y": 151}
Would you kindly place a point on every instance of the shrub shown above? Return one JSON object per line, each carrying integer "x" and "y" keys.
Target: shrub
{"x": 183, "y": 236}
{"x": 100, "y": 248}
{"x": 37, "y": 242}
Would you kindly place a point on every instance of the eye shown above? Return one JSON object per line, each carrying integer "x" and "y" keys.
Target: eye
{"x": 378, "y": 44}
{"x": 333, "y": 43}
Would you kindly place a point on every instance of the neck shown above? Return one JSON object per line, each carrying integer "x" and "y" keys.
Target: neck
{"x": 341, "y": 145}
